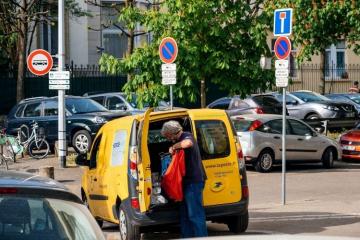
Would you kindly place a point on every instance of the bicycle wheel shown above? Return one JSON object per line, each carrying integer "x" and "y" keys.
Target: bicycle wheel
{"x": 38, "y": 149}
{"x": 23, "y": 133}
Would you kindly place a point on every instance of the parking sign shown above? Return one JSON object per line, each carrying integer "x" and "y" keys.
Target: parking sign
{"x": 283, "y": 22}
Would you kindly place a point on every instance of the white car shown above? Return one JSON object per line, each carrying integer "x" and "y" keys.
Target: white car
{"x": 260, "y": 136}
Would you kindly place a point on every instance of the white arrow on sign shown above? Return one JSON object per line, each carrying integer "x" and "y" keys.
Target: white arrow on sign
{"x": 281, "y": 64}
{"x": 59, "y": 87}
{"x": 60, "y": 82}
{"x": 59, "y": 75}
{"x": 170, "y": 66}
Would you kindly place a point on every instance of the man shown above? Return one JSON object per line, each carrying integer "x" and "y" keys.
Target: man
{"x": 192, "y": 213}
{"x": 355, "y": 88}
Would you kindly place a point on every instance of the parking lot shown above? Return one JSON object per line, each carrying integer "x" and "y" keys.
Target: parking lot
{"x": 319, "y": 201}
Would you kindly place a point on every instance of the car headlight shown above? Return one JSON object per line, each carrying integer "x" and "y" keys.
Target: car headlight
{"x": 331, "y": 108}
{"x": 100, "y": 120}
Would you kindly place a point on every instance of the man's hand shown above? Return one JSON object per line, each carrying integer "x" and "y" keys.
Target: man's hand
{"x": 171, "y": 150}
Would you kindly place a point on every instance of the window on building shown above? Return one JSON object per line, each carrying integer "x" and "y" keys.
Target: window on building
{"x": 49, "y": 32}
{"x": 114, "y": 40}
{"x": 335, "y": 60}
{"x": 292, "y": 60}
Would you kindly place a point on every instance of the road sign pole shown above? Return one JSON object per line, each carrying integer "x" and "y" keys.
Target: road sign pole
{"x": 283, "y": 152}
{"x": 61, "y": 93}
{"x": 171, "y": 98}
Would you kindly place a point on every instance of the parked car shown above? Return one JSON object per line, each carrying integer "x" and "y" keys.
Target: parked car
{"x": 310, "y": 105}
{"x": 84, "y": 117}
{"x": 117, "y": 101}
{"x": 350, "y": 144}
{"x": 33, "y": 207}
{"x": 126, "y": 157}
{"x": 261, "y": 140}
{"x": 351, "y": 98}
{"x": 255, "y": 104}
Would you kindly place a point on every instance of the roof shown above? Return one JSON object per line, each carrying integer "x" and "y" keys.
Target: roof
{"x": 31, "y": 184}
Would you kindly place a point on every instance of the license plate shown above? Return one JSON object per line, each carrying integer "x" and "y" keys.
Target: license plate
{"x": 345, "y": 147}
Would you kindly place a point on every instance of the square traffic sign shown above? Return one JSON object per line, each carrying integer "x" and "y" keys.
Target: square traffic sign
{"x": 283, "y": 22}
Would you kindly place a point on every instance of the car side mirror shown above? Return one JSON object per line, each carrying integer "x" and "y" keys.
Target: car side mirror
{"x": 292, "y": 102}
{"x": 119, "y": 106}
{"x": 81, "y": 160}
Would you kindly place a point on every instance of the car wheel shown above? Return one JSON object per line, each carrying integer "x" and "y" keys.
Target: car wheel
{"x": 328, "y": 158}
{"x": 312, "y": 116}
{"x": 128, "y": 231}
{"x": 265, "y": 161}
{"x": 238, "y": 224}
{"x": 81, "y": 141}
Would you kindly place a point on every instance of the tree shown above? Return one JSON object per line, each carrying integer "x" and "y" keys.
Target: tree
{"x": 219, "y": 41}
{"x": 318, "y": 24}
{"x": 18, "y": 22}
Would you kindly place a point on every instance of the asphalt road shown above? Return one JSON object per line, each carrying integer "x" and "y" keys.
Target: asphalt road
{"x": 320, "y": 202}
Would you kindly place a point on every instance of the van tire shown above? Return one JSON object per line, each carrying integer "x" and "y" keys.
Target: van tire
{"x": 127, "y": 230}
{"x": 265, "y": 161}
{"x": 328, "y": 158}
{"x": 80, "y": 140}
{"x": 238, "y": 224}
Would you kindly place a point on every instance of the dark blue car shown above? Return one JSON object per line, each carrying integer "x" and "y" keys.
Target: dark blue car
{"x": 84, "y": 117}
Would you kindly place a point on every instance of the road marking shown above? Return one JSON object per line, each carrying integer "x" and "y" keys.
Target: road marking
{"x": 304, "y": 217}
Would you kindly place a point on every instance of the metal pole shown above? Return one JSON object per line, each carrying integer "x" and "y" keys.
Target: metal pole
{"x": 61, "y": 93}
{"x": 283, "y": 152}
{"x": 171, "y": 98}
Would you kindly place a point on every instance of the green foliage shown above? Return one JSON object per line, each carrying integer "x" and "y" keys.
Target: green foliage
{"x": 318, "y": 24}
{"x": 219, "y": 41}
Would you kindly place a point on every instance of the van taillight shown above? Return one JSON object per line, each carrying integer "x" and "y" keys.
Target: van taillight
{"x": 133, "y": 162}
{"x": 245, "y": 191}
{"x": 135, "y": 203}
{"x": 8, "y": 190}
{"x": 255, "y": 125}
{"x": 259, "y": 110}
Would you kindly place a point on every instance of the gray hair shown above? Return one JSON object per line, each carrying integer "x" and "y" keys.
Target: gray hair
{"x": 171, "y": 127}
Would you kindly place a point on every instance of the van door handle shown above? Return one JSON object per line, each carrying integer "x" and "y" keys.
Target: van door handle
{"x": 300, "y": 139}
{"x": 277, "y": 137}
{"x": 95, "y": 179}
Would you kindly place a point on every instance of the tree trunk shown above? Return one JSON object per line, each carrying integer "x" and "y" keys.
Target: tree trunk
{"x": 130, "y": 46}
{"x": 203, "y": 93}
{"x": 322, "y": 73}
{"x": 22, "y": 40}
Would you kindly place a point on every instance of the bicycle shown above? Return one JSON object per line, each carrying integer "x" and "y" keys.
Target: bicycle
{"x": 35, "y": 144}
{"x": 7, "y": 150}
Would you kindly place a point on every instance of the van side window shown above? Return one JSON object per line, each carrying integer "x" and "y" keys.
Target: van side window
{"x": 212, "y": 138}
{"x": 95, "y": 152}
{"x": 118, "y": 148}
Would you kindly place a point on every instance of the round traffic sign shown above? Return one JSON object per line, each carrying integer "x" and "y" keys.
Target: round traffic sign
{"x": 168, "y": 50}
{"x": 282, "y": 47}
{"x": 39, "y": 62}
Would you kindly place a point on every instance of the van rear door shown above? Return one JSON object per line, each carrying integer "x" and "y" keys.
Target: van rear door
{"x": 217, "y": 145}
{"x": 144, "y": 170}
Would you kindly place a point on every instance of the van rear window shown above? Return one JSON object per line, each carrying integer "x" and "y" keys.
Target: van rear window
{"x": 212, "y": 138}
{"x": 241, "y": 125}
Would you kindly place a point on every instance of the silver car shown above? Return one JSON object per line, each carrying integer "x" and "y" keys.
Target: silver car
{"x": 310, "y": 105}
{"x": 260, "y": 137}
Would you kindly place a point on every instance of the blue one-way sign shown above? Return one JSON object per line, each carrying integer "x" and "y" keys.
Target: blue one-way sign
{"x": 283, "y": 22}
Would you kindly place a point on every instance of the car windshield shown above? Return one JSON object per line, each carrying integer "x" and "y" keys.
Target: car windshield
{"x": 133, "y": 101}
{"x": 83, "y": 105}
{"x": 46, "y": 219}
{"x": 310, "y": 96}
{"x": 355, "y": 98}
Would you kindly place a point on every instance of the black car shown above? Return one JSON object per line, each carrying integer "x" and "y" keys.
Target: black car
{"x": 118, "y": 101}
{"x": 84, "y": 117}
{"x": 33, "y": 207}
{"x": 254, "y": 104}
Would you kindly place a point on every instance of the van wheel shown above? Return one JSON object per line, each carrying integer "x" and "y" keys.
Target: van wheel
{"x": 86, "y": 203}
{"x": 238, "y": 224}
{"x": 81, "y": 141}
{"x": 265, "y": 161}
{"x": 328, "y": 158}
{"x": 127, "y": 230}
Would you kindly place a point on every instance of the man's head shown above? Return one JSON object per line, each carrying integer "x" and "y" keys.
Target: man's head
{"x": 356, "y": 83}
{"x": 171, "y": 130}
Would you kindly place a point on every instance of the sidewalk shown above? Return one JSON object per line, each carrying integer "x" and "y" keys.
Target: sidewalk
{"x": 70, "y": 176}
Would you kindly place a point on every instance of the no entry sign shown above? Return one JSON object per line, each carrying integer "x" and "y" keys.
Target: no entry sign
{"x": 168, "y": 50}
{"x": 39, "y": 62}
{"x": 282, "y": 47}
